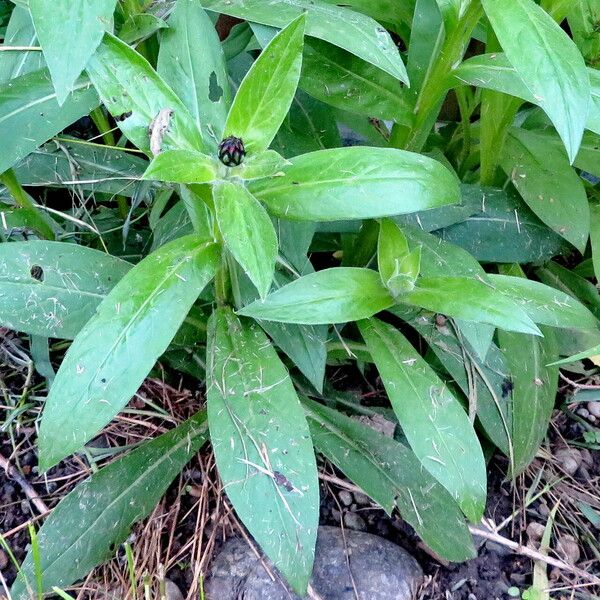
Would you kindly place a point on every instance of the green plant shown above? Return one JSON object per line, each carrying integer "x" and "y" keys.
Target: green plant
{"x": 246, "y": 179}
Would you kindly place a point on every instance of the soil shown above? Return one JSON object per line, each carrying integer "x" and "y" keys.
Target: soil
{"x": 195, "y": 518}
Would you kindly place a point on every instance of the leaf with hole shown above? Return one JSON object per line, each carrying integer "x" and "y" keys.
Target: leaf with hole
{"x": 262, "y": 444}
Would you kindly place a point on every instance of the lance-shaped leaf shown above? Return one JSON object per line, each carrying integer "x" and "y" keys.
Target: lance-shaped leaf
{"x": 262, "y": 444}
{"x": 266, "y": 92}
{"x": 191, "y": 61}
{"x": 357, "y": 183}
{"x": 547, "y": 61}
{"x": 432, "y": 419}
{"x": 52, "y": 288}
{"x": 30, "y": 114}
{"x": 471, "y": 300}
{"x": 547, "y": 183}
{"x": 113, "y": 353}
{"x": 330, "y": 296}
{"x": 345, "y": 28}
{"x": 248, "y": 232}
{"x": 92, "y": 520}
{"x": 533, "y": 387}
{"x": 392, "y": 475}
{"x": 183, "y": 166}
{"x": 264, "y": 164}
{"x": 398, "y": 266}
{"x": 69, "y": 33}
{"x": 543, "y": 303}
{"x": 19, "y": 32}
{"x": 135, "y": 95}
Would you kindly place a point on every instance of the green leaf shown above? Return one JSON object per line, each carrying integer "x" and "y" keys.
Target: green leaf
{"x": 183, "y": 166}
{"x": 595, "y": 351}
{"x": 52, "y": 288}
{"x": 262, "y": 445}
{"x": 113, "y": 353}
{"x": 264, "y": 164}
{"x": 534, "y": 387}
{"x": 19, "y": 32}
{"x": 386, "y": 11}
{"x": 265, "y": 94}
{"x": 547, "y": 61}
{"x": 141, "y": 26}
{"x": 89, "y": 523}
{"x": 433, "y": 421}
{"x": 471, "y": 300}
{"x": 583, "y": 17}
{"x": 398, "y": 266}
{"x": 341, "y": 79}
{"x": 542, "y": 303}
{"x": 248, "y": 233}
{"x": 347, "y": 29}
{"x": 135, "y": 95}
{"x": 504, "y": 230}
{"x": 30, "y": 114}
{"x": 175, "y": 223}
{"x": 191, "y": 62}
{"x": 595, "y": 237}
{"x": 99, "y": 168}
{"x": 392, "y": 475}
{"x": 549, "y": 186}
{"x": 334, "y": 295}
{"x": 69, "y": 33}
{"x": 357, "y": 183}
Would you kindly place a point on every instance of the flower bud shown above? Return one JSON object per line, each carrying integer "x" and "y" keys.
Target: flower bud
{"x": 231, "y": 151}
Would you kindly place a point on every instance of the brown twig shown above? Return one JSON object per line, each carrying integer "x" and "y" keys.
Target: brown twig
{"x": 533, "y": 554}
{"x": 29, "y": 491}
{"x": 580, "y": 386}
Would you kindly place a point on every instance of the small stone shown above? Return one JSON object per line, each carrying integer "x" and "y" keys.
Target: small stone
{"x": 535, "y": 531}
{"x": 380, "y": 569}
{"x": 568, "y": 548}
{"x": 543, "y": 509}
{"x": 586, "y": 457}
{"x": 568, "y": 459}
{"x": 172, "y": 592}
{"x": 354, "y": 521}
{"x": 592, "y": 419}
{"x": 362, "y": 499}
{"x": 336, "y": 514}
{"x": 583, "y": 413}
{"x": 345, "y": 497}
{"x": 3, "y": 560}
{"x": 594, "y": 408}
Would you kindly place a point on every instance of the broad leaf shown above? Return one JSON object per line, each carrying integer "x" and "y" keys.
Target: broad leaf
{"x": 89, "y": 523}
{"x": 191, "y": 61}
{"x": 264, "y": 164}
{"x": 30, "y": 113}
{"x": 262, "y": 444}
{"x": 19, "y": 32}
{"x": 135, "y": 95}
{"x": 69, "y": 32}
{"x": 52, "y": 288}
{"x": 549, "y": 186}
{"x": 265, "y": 94}
{"x": 183, "y": 166}
{"x": 433, "y": 421}
{"x": 357, "y": 183}
{"x": 248, "y": 233}
{"x": 547, "y": 61}
{"x": 504, "y": 230}
{"x": 398, "y": 267}
{"x": 340, "y": 78}
{"x": 347, "y": 29}
{"x": 113, "y": 353}
{"x": 141, "y": 26}
{"x": 334, "y": 295}
{"x": 595, "y": 237}
{"x": 471, "y": 300}
{"x": 543, "y": 303}
{"x": 392, "y": 475}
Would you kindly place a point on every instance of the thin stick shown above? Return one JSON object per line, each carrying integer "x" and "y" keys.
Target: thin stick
{"x": 29, "y": 491}
{"x": 20, "y": 48}
{"x": 533, "y": 554}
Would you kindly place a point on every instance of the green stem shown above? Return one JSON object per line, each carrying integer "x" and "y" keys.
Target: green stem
{"x": 24, "y": 201}
{"x": 434, "y": 89}
{"x": 101, "y": 122}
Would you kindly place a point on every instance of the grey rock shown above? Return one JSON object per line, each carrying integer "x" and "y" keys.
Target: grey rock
{"x": 380, "y": 569}
{"x": 362, "y": 499}
{"x": 354, "y": 521}
{"x": 172, "y": 592}
{"x": 345, "y": 497}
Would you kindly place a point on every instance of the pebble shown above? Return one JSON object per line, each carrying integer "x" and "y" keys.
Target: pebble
{"x": 3, "y": 560}
{"x": 362, "y": 499}
{"x": 380, "y": 569}
{"x": 568, "y": 459}
{"x": 345, "y": 497}
{"x": 535, "y": 531}
{"x": 568, "y": 548}
{"x": 354, "y": 521}
{"x": 594, "y": 408}
{"x": 172, "y": 592}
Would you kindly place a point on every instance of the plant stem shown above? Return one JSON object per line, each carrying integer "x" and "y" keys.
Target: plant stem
{"x": 434, "y": 89}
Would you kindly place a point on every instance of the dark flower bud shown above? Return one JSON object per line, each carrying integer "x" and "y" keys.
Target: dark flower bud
{"x": 231, "y": 151}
